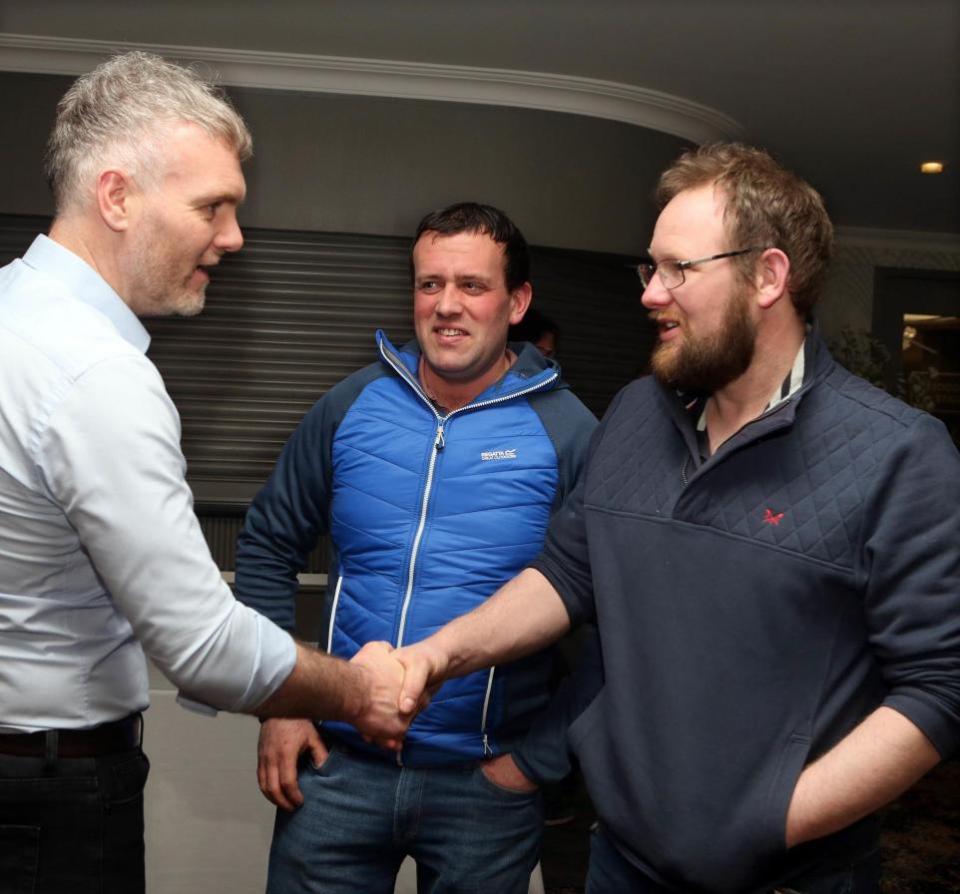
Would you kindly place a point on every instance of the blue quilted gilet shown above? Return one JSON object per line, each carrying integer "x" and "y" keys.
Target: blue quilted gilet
{"x": 431, "y": 514}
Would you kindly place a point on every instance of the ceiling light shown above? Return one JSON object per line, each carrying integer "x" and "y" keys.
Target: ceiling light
{"x": 931, "y": 167}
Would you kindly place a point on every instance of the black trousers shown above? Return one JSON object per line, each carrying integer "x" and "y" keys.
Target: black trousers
{"x": 72, "y": 824}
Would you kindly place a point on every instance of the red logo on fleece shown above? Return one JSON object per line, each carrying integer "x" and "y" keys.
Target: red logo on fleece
{"x": 771, "y": 519}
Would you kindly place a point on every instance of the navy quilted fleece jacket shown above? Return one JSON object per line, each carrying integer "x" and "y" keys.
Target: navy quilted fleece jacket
{"x": 428, "y": 515}
{"x": 752, "y": 610}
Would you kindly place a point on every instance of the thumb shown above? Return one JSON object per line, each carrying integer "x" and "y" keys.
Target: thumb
{"x": 374, "y": 647}
{"x": 318, "y": 751}
{"x": 414, "y": 680}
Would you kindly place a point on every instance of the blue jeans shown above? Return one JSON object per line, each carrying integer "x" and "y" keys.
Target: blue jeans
{"x": 74, "y": 825}
{"x": 611, "y": 873}
{"x": 361, "y": 816}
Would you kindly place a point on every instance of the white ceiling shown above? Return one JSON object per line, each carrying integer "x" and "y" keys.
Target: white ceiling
{"x": 853, "y": 94}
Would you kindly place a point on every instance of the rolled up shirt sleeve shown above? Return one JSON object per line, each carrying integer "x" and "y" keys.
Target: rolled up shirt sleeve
{"x": 109, "y": 456}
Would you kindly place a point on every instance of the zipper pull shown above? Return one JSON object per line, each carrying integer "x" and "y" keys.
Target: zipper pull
{"x": 439, "y": 443}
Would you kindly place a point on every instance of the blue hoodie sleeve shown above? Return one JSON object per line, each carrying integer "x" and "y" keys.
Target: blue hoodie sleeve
{"x": 292, "y": 510}
{"x": 569, "y": 425}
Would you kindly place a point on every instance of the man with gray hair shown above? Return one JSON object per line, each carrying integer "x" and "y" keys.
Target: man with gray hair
{"x": 101, "y": 556}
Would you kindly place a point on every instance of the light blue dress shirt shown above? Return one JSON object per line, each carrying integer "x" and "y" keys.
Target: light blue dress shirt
{"x": 100, "y": 550}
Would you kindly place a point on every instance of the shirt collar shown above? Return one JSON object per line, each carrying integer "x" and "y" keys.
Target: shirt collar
{"x": 86, "y": 285}
{"x": 787, "y": 388}
{"x": 793, "y": 382}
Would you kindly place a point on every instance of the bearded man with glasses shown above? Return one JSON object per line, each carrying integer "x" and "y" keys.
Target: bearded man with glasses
{"x": 770, "y": 548}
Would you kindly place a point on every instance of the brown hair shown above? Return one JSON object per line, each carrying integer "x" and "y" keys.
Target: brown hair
{"x": 766, "y": 205}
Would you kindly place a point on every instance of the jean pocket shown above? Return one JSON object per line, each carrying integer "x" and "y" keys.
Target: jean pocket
{"x": 19, "y": 855}
{"x": 127, "y": 781}
{"x": 502, "y": 791}
{"x": 323, "y": 769}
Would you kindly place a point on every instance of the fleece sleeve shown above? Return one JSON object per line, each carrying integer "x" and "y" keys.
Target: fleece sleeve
{"x": 565, "y": 559}
{"x": 912, "y": 563}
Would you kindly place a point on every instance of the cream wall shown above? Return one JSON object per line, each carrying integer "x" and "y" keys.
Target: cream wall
{"x": 208, "y": 828}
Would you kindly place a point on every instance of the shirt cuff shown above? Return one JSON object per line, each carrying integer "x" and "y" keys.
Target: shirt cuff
{"x": 276, "y": 659}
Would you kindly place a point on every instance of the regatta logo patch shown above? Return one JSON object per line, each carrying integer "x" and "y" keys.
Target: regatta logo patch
{"x": 770, "y": 519}
{"x": 489, "y": 455}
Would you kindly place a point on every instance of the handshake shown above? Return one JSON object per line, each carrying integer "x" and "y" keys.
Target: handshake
{"x": 379, "y": 691}
{"x": 391, "y": 687}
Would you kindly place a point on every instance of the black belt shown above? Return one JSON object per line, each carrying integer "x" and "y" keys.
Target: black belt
{"x": 110, "y": 738}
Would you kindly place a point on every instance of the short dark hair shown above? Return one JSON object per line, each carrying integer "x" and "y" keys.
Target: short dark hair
{"x": 471, "y": 217}
{"x": 533, "y": 327}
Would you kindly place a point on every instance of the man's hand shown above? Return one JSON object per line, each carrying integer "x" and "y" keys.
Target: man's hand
{"x": 281, "y": 743}
{"x": 877, "y": 761}
{"x": 379, "y": 718}
{"x": 425, "y": 665}
{"x": 503, "y": 772}
{"x": 524, "y": 615}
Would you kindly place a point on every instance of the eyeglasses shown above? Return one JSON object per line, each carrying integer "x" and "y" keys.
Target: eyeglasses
{"x": 671, "y": 272}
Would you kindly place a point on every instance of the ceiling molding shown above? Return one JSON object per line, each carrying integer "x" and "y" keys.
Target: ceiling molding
{"x": 399, "y": 80}
{"x": 897, "y": 240}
